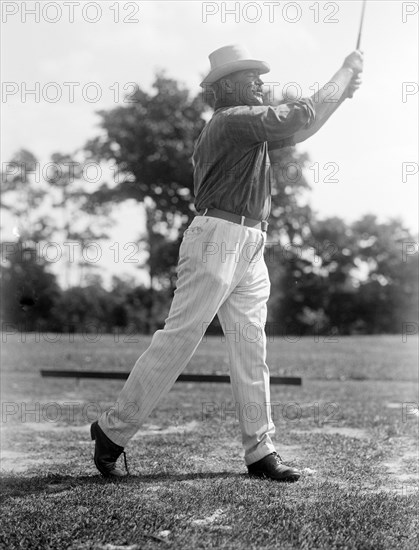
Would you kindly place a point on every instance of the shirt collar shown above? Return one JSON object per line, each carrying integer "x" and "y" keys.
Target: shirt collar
{"x": 220, "y": 103}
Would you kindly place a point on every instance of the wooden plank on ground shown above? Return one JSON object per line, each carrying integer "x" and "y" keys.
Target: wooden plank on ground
{"x": 117, "y": 375}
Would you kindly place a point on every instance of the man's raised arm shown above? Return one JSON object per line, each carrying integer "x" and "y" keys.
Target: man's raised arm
{"x": 328, "y": 98}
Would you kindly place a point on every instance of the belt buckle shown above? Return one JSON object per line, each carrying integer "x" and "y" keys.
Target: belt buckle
{"x": 243, "y": 219}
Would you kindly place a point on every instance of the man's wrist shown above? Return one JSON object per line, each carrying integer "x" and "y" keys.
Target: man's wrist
{"x": 349, "y": 74}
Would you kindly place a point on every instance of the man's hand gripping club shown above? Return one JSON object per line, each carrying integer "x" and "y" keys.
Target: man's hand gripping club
{"x": 355, "y": 62}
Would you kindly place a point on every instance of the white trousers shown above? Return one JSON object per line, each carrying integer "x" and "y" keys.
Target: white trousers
{"x": 221, "y": 269}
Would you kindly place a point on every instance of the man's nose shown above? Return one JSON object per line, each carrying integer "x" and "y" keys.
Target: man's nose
{"x": 259, "y": 82}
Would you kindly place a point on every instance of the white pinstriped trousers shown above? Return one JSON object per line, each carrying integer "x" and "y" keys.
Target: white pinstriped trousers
{"x": 221, "y": 269}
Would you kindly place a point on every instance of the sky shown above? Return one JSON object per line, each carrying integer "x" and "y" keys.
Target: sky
{"x": 369, "y": 141}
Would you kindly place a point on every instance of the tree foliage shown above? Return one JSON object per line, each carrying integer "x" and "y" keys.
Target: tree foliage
{"x": 28, "y": 291}
{"x": 349, "y": 279}
{"x": 150, "y": 141}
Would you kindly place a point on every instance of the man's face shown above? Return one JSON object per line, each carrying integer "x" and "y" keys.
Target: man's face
{"x": 246, "y": 87}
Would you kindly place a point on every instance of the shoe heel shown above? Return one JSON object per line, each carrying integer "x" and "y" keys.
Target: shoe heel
{"x": 92, "y": 433}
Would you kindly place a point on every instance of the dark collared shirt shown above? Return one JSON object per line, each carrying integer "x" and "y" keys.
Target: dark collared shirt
{"x": 231, "y": 161}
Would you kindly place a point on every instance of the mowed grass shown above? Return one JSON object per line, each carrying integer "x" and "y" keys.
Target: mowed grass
{"x": 351, "y": 427}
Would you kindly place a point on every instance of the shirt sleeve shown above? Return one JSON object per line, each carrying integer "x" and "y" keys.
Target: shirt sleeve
{"x": 280, "y": 144}
{"x": 274, "y": 124}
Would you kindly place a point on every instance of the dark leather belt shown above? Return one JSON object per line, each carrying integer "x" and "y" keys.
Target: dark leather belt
{"x": 230, "y": 217}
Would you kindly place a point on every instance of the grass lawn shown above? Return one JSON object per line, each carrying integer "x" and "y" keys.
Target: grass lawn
{"x": 351, "y": 427}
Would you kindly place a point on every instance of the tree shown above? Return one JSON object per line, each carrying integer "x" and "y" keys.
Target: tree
{"x": 23, "y": 195}
{"x": 28, "y": 292}
{"x": 150, "y": 141}
{"x": 290, "y": 219}
{"x": 290, "y": 241}
{"x": 67, "y": 187}
{"x": 388, "y": 292}
{"x": 85, "y": 309}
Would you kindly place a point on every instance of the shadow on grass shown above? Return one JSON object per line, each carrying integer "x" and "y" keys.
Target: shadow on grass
{"x": 16, "y": 485}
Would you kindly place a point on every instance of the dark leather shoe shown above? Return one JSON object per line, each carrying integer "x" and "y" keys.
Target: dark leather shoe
{"x": 272, "y": 467}
{"x": 106, "y": 453}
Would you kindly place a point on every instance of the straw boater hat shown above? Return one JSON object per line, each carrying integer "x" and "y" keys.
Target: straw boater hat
{"x": 229, "y": 59}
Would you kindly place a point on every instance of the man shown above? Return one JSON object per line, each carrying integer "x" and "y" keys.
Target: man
{"x": 221, "y": 267}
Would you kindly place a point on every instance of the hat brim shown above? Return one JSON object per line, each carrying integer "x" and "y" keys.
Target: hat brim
{"x": 234, "y": 66}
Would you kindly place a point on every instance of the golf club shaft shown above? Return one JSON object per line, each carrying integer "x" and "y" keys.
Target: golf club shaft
{"x": 358, "y": 43}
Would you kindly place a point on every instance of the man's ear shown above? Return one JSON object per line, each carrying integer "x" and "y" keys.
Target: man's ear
{"x": 226, "y": 85}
